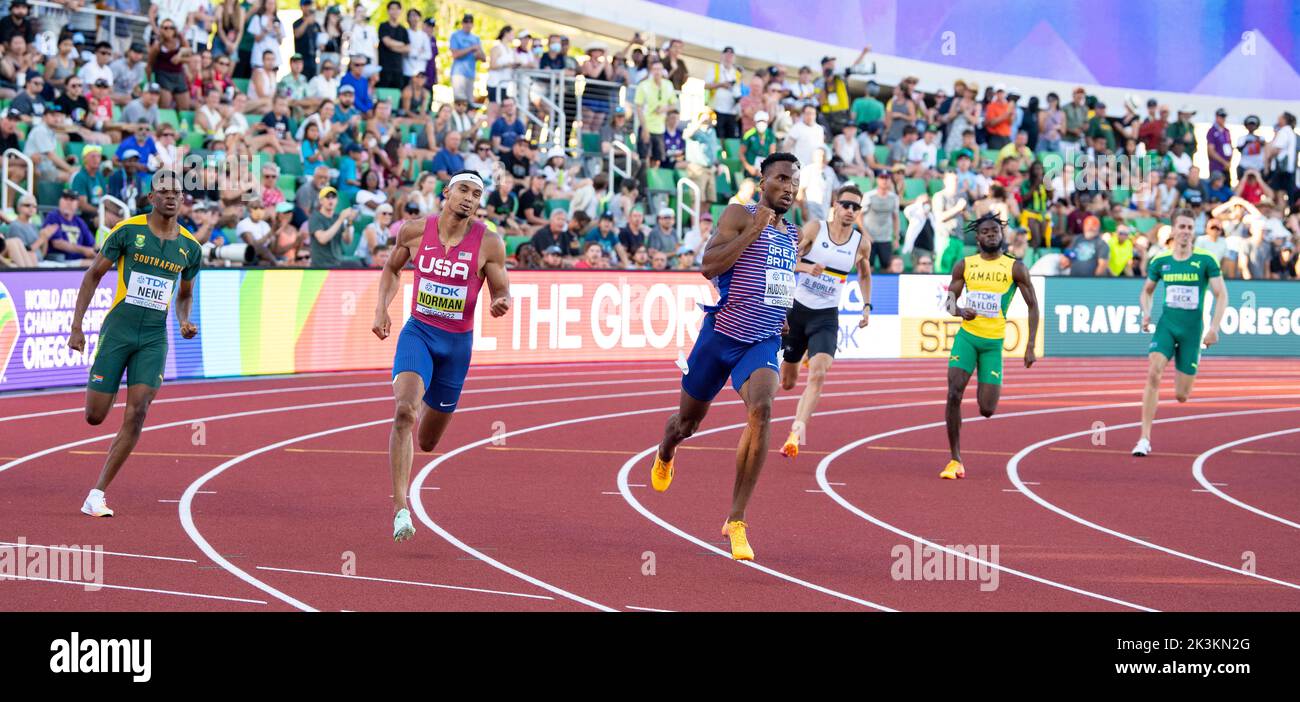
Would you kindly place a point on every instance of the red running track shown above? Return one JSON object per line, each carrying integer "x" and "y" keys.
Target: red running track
{"x": 273, "y": 494}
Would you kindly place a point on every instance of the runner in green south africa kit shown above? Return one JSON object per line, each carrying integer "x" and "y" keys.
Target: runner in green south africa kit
{"x": 1186, "y": 273}
{"x": 151, "y": 254}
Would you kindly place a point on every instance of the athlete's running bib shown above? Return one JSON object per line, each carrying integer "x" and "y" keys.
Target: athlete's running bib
{"x": 779, "y": 288}
{"x": 1182, "y": 297}
{"x": 151, "y": 291}
{"x": 985, "y": 304}
{"x": 440, "y": 300}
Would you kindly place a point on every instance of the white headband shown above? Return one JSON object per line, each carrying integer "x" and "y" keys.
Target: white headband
{"x": 466, "y": 177}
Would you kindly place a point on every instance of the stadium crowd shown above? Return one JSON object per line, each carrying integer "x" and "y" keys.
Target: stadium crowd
{"x": 349, "y": 140}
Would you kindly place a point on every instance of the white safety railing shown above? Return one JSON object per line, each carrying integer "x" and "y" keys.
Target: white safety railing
{"x": 684, "y": 184}
{"x": 111, "y": 17}
{"x": 119, "y": 204}
{"x": 616, "y": 147}
{"x": 6, "y": 184}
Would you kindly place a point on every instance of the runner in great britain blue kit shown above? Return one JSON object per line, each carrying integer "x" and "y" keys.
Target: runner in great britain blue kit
{"x": 751, "y": 260}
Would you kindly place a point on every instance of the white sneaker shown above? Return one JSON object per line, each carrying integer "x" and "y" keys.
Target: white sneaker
{"x": 402, "y": 527}
{"x": 95, "y": 505}
{"x": 1143, "y": 448}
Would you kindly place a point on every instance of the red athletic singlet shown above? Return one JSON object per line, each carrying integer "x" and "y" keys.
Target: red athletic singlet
{"x": 447, "y": 280}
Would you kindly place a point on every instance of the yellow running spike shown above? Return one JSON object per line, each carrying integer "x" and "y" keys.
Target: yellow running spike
{"x": 661, "y": 475}
{"x": 953, "y": 471}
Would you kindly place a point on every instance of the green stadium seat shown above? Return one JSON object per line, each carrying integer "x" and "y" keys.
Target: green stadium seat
{"x": 194, "y": 141}
{"x": 717, "y": 210}
{"x": 242, "y": 85}
{"x": 723, "y": 185}
{"x": 74, "y": 148}
{"x": 936, "y": 184}
{"x": 731, "y": 147}
{"x": 290, "y": 164}
{"x": 169, "y": 117}
{"x": 1143, "y": 224}
{"x": 513, "y": 242}
{"x": 661, "y": 179}
{"x": 360, "y": 225}
{"x": 288, "y": 185}
{"x": 913, "y": 187}
{"x": 591, "y": 142}
{"x": 989, "y": 155}
{"x": 48, "y": 193}
{"x": 864, "y": 183}
{"x": 553, "y": 205}
{"x": 882, "y": 154}
{"x": 392, "y": 95}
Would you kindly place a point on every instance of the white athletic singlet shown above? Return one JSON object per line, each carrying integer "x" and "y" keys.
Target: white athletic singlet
{"x": 820, "y": 292}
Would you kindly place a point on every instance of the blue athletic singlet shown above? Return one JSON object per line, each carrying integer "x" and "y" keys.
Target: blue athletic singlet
{"x": 757, "y": 292}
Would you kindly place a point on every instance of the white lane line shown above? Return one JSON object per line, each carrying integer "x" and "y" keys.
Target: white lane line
{"x": 91, "y": 550}
{"x": 1013, "y": 472}
{"x": 606, "y": 492}
{"x": 178, "y": 593}
{"x": 187, "y": 518}
{"x": 170, "y": 501}
{"x": 1198, "y": 471}
{"x": 393, "y": 581}
{"x": 825, "y": 463}
{"x": 645, "y": 609}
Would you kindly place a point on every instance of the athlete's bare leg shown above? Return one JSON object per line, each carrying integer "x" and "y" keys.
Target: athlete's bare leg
{"x": 818, "y": 366}
{"x": 432, "y": 425}
{"x": 988, "y": 396}
{"x": 789, "y": 374}
{"x": 408, "y": 389}
{"x": 757, "y": 392}
{"x": 1183, "y": 385}
{"x": 957, "y": 380}
{"x": 1151, "y": 394}
{"x": 680, "y": 426}
{"x": 138, "y": 399}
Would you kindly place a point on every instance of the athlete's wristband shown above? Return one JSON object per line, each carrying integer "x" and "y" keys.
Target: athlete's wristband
{"x": 871, "y": 306}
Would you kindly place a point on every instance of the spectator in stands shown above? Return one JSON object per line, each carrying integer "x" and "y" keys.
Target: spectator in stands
{"x": 255, "y": 231}
{"x": 1218, "y": 190}
{"x": 24, "y": 241}
{"x": 998, "y": 115}
{"x": 331, "y": 232}
{"x": 62, "y": 65}
{"x": 324, "y": 86}
{"x": 508, "y": 127}
{"x": 394, "y": 46}
{"x": 1076, "y": 125}
{"x": 419, "y": 57}
{"x": 674, "y": 140}
{"x": 880, "y": 220}
{"x": 448, "y": 160}
{"x": 89, "y": 183}
{"x": 833, "y": 92}
{"x": 923, "y": 155}
{"x": 1089, "y": 254}
{"x": 817, "y": 181}
{"x": 503, "y": 60}
{"x": 605, "y": 237}
{"x": 723, "y": 94}
{"x": 593, "y": 257}
{"x": 128, "y": 73}
{"x": 701, "y": 159}
{"x": 1051, "y": 123}
{"x": 575, "y": 234}
{"x": 654, "y": 97}
{"x": 632, "y": 236}
{"x": 805, "y": 136}
{"x": 1018, "y": 149}
{"x": 306, "y": 198}
{"x": 306, "y": 34}
{"x": 554, "y": 233}
{"x": 552, "y": 258}
{"x": 466, "y": 51}
{"x": 17, "y": 65}
{"x": 167, "y": 59}
{"x": 1280, "y": 155}
{"x": 867, "y": 110}
{"x": 1182, "y": 130}
{"x": 532, "y": 202}
{"x": 262, "y": 86}
{"x": 416, "y": 101}
{"x": 900, "y": 151}
{"x": 663, "y": 237}
{"x": 43, "y": 147}
{"x": 553, "y": 58}
{"x": 18, "y": 23}
{"x": 503, "y": 205}
{"x": 758, "y": 143}
{"x": 144, "y": 109}
{"x": 28, "y": 102}
{"x": 1250, "y": 148}
{"x": 70, "y": 239}
{"x": 482, "y": 160}
{"x": 359, "y": 85}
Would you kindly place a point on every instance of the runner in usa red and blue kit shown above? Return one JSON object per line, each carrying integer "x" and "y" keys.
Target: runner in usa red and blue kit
{"x": 751, "y": 260}
{"x": 453, "y": 253}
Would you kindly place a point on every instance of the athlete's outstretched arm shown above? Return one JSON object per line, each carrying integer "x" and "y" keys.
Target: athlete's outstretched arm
{"x": 955, "y": 289}
{"x": 864, "y": 279}
{"x": 1220, "y": 290}
{"x": 98, "y": 267}
{"x": 736, "y": 232}
{"x": 1020, "y": 275}
{"x": 494, "y": 271}
{"x": 390, "y": 277}
{"x": 1144, "y": 301}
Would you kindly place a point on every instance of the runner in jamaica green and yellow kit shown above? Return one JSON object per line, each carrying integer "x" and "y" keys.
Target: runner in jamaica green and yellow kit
{"x": 989, "y": 279}
{"x": 1186, "y": 272}
{"x": 152, "y": 254}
